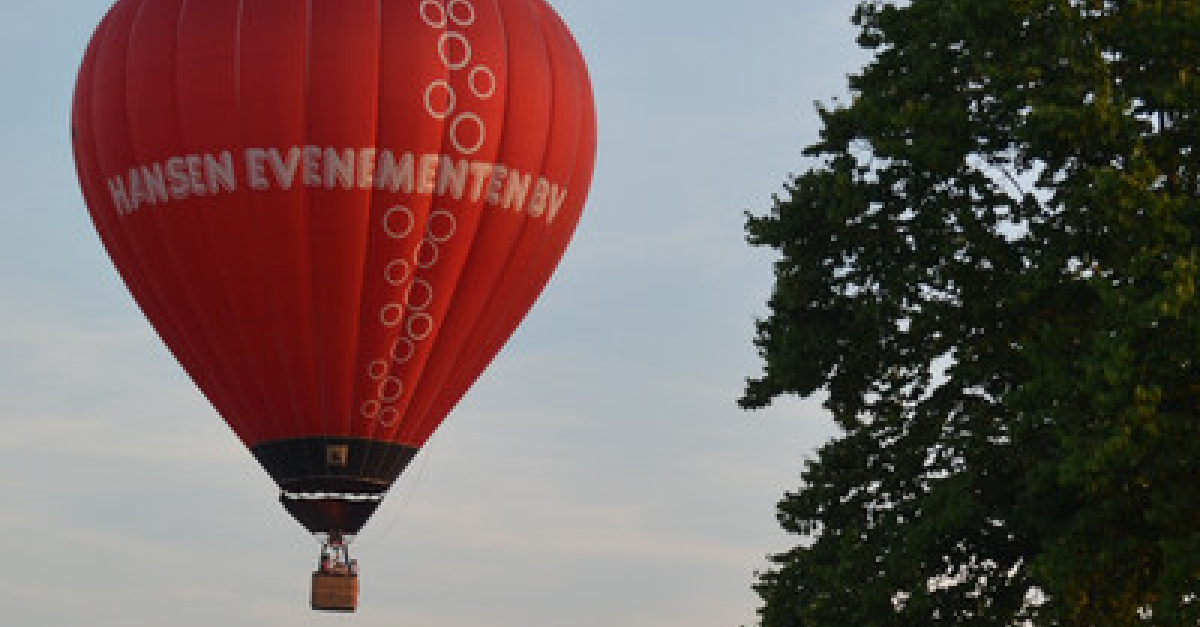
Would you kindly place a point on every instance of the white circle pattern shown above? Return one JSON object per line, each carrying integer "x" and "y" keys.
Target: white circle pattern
{"x": 462, "y": 22}
{"x": 482, "y": 94}
{"x": 427, "y": 254}
{"x": 390, "y": 389}
{"x": 410, "y": 349}
{"x": 390, "y": 227}
{"x": 388, "y": 417}
{"x": 436, "y": 22}
{"x": 397, "y": 272}
{"x": 391, "y": 315}
{"x": 456, "y": 64}
{"x": 441, "y": 102}
{"x": 445, "y": 230}
{"x": 445, "y": 88}
{"x": 480, "y": 131}
{"x": 422, "y": 290}
{"x": 419, "y": 326}
{"x": 377, "y": 369}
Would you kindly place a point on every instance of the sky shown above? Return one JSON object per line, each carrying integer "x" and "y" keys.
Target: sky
{"x": 599, "y": 474}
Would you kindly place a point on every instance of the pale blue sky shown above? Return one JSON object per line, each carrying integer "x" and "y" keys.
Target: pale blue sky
{"x": 600, "y": 473}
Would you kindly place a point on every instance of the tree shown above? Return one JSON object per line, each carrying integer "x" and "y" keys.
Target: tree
{"x": 991, "y": 273}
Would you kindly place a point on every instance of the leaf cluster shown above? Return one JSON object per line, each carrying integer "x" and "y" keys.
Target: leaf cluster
{"x": 991, "y": 272}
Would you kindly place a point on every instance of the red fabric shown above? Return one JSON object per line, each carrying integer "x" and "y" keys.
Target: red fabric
{"x": 334, "y": 212}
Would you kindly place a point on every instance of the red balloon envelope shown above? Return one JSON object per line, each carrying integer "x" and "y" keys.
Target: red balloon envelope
{"x": 334, "y": 212}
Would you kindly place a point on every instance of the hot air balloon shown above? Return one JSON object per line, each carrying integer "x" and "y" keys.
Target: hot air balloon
{"x": 334, "y": 213}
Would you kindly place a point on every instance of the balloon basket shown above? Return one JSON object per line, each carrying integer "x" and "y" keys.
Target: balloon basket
{"x": 334, "y": 592}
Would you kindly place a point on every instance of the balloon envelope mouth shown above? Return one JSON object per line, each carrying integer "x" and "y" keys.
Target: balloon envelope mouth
{"x": 333, "y": 484}
{"x": 343, "y": 514}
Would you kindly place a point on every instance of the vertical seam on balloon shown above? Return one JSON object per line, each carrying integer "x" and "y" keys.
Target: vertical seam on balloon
{"x": 251, "y": 396}
{"x": 338, "y": 426}
{"x": 256, "y": 389}
{"x": 303, "y": 277}
{"x": 309, "y": 26}
{"x": 581, "y": 169}
{"x": 556, "y": 69}
{"x": 231, "y": 396}
{"x": 247, "y": 199}
{"x": 318, "y": 399}
{"x": 435, "y": 406}
{"x": 173, "y": 272}
{"x": 371, "y": 431}
{"x": 495, "y": 337}
{"x": 416, "y": 423}
{"x": 117, "y": 226}
{"x": 377, "y": 431}
{"x": 352, "y": 412}
{"x": 406, "y": 427}
{"x": 422, "y": 417}
{"x": 551, "y": 256}
{"x": 194, "y": 350}
{"x": 114, "y": 228}
{"x": 476, "y": 367}
{"x": 201, "y": 347}
{"x": 271, "y": 400}
{"x": 292, "y": 370}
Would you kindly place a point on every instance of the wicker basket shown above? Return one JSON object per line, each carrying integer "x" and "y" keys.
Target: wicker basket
{"x": 333, "y": 592}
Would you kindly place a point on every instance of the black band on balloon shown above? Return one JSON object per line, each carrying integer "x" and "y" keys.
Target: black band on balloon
{"x": 329, "y": 514}
{"x": 331, "y": 465}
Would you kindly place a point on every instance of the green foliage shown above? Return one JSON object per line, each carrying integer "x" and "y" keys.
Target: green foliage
{"x": 992, "y": 273}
